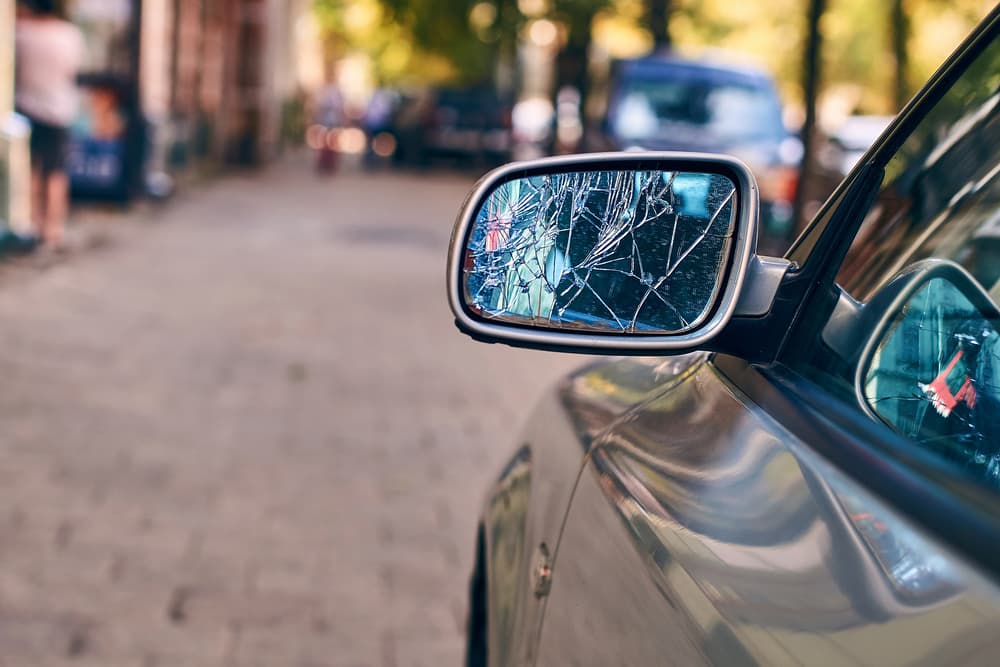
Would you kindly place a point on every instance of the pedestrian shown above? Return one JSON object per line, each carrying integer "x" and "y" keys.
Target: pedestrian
{"x": 330, "y": 116}
{"x": 49, "y": 52}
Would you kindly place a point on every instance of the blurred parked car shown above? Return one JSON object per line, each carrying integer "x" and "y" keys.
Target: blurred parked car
{"x": 798, "y": 460}
{"x": 670, "y": 103}
{"x": 853, "y": 138}
{"x": 533, "y": 123}
{"x": 463, "y": 124}
{"x": 377, "y": 122}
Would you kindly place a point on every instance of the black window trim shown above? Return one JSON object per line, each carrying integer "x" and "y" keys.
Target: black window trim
{"x": 809, "y": 290}
{"x": 962, "y": 514}
{"x": 830, "y": 224}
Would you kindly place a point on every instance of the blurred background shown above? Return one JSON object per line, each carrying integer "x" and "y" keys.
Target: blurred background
{"x": 175, "y": 89}
{"x": 237, "y": 425}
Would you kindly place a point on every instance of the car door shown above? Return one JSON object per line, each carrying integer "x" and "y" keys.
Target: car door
{"x": 839, "y": 505}
{"x": 702, "y": 531}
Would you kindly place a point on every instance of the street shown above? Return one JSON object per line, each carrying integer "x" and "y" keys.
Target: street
{"x": 244, "y": 431}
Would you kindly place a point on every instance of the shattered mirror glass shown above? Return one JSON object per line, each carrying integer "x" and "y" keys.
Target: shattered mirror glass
{"x": 602, "y": 251}
{"x": 934, "y": 377}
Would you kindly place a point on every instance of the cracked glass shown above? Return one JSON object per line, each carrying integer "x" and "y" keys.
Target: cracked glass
{"x": 934, "y": 377}
{"x": 602, "y": 251}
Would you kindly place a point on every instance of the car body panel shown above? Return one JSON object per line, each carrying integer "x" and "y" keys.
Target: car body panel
{"x": 701, "y": 531}
{"x": 527, "y": 504}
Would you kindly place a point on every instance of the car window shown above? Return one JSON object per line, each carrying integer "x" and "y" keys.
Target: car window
{"x": 933, "y": 374}
{"x": 913, "y": 338}
{"x": 723, "y": 113}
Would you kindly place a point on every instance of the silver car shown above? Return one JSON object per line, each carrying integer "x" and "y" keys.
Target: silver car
{"x": 791, "y": 460}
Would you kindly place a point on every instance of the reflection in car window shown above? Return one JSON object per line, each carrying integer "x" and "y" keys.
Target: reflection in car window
{"x": 933, "y": 377}
{"x": 932, "y": 374}
{"x": 941, "y": 194}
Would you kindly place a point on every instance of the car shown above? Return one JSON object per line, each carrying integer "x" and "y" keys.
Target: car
{"x": 461, "y": 124}
{"x": 666, "y": 102}
{"x": 774, "y": 461}
{"x": 852, "y": 138}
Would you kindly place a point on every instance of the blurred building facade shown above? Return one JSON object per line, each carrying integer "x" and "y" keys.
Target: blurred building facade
{"x": 216, "y": 78}
{"x": 8, "y": 148}
{"x": 168, "y": 87}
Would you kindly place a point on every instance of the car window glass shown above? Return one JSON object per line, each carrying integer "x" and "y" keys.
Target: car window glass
{"x": 926, "y": 364}
{"x": 933, "y": 376}
{"x": 722, "y": 112}
{"x": 940, "y": 191}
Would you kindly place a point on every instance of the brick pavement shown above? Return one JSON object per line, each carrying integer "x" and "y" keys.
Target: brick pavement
{"x": 244, "y": 432}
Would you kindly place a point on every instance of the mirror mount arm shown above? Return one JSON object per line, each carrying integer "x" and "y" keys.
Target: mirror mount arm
{"x": 764, "y": 275}
{"x": 758, "y": 325}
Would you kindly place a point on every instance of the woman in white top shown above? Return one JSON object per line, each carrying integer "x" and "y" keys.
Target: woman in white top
{"x": 48, "y": 54}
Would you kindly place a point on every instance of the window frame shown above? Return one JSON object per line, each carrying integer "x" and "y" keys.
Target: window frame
{"x": 809, "y": 293}
{"x": 823, "y": 243}
{"x": 963, "y": 515}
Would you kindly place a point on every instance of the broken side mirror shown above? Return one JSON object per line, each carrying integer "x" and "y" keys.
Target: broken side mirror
{"x": 610, "y": 253}
{"x": 931, "y": 365}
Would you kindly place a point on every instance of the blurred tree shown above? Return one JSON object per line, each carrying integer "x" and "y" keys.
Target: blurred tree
{"x": 899, "y": 34}
{"x": 768, "y": 34}
{"x": 422, "y": 41}
{"x": 577, "y": 19}
{"x": 658, "y": 19}
{"x": 874, "y": 54}
{"x": 811, "y": 74}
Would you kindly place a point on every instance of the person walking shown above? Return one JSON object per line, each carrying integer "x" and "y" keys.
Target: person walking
{"x": 49, "y": 52}
{"x": 330, "y": 116}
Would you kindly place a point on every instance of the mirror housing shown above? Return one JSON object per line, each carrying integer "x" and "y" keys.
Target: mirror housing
{"x": 483, "y": 230}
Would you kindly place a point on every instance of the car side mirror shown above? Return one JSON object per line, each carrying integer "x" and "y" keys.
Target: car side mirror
{"x": 932, "y": 362}
{"x": 615, "y": 252}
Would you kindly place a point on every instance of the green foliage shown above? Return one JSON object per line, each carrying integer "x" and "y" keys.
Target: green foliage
{"x": 461, "y": 41}
{"x": 434, "y": 41}
{"x": 577, "y": 16}
{"x": 858, "y": 66}
{"x": 410, "y": 41}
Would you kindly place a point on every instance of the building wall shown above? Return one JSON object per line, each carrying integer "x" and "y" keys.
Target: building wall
{"x": 13, "y": 149}
{"x": 154, "y": 74}
{"x": 216, "y": 75}
{"x": 6, "y": 56}
{"x": 264, "y": 77}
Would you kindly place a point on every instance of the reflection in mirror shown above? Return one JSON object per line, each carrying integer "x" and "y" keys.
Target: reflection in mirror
{"x": 604, "y": 251}
{"x": 934, "y": 377}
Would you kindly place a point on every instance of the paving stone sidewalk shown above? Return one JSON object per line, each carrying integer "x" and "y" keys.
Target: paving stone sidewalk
{"x": 245, "y": 432}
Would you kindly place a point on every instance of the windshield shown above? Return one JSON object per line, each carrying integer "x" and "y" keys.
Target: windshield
{"x": 722, "y": 113}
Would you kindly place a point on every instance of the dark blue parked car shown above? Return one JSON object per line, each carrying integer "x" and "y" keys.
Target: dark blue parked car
{"x": 667, "y": 103}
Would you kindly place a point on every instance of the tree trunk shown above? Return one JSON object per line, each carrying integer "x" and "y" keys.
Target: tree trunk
{"x": 811, "y": 75}
{"x": 573, "y": 60}
{"x": 571, "y": 65}
{"x": 899, "y": 24}
{"x": 658, "y": 20}
{"x": 505, "y": 72}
